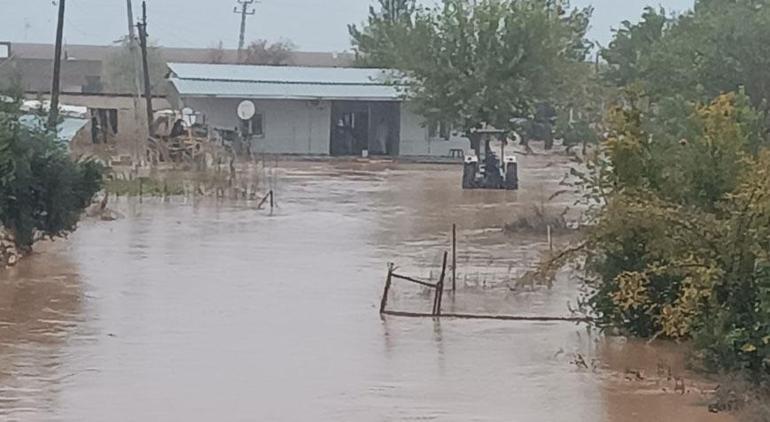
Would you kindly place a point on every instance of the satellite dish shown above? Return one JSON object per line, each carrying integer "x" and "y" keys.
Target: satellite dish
{"x": 246, "y": 110}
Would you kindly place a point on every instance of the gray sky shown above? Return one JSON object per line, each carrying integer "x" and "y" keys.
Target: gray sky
{"x": 314, "y": 25}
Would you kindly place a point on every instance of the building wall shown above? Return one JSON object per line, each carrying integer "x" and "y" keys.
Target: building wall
{"x": 124, "y": 104}
{"x": 290, "y": 126}
{"x": 416, "y": 142}
{"x": 299, "y": 127}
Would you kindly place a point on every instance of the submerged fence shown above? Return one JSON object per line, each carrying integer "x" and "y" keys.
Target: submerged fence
{"x": 438, "y": 287}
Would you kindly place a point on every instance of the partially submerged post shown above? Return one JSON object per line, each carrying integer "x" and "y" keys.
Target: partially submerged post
{"x": 440, "y": 289}
{"x": 388, "y": 280}
{"x": 454, "y": 258}
{"x": 270, "y": 196}
{"x": 550, "y": 239}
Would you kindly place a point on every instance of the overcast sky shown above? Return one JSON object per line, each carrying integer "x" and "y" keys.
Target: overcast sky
{"x": 314, "y": 25}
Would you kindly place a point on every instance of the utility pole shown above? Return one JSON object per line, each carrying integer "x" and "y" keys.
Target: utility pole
{"x": 245, "y": 11}
{"x": 136, "y": 70}
{"x": 53, "y": 112}
{"x": 145, "y": 66}
{"x": 132, "y": 47}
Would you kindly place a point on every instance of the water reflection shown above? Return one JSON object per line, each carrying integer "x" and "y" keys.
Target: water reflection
{"x": 41, "y": 305}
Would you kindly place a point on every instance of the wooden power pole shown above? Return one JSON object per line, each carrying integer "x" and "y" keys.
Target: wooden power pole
{"x": 136, "y": 92}
{"x": 145, "y": 66}
{"x": 135, "y": 57}
{"x": 53, "y": 112}
{"x": 244, "y": 12}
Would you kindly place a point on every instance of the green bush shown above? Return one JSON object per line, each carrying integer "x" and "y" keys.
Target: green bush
{"x": 41, "y": 188}
{"x": 678, "y": 240}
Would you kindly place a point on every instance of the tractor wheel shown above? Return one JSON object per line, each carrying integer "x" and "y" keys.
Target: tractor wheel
{"x": 512, "y": 177}
{"x": 469, "y": 175}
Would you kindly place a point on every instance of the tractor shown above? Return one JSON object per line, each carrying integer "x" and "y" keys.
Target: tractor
{"x": 491, "y": 166}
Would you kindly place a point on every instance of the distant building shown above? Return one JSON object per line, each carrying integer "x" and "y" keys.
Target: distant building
{"x": 111, "y": 118}
{"x": 83, "y": 66}
{"x": 300, "y": 110}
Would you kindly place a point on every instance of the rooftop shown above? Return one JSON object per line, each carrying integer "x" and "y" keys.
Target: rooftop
{"x": 282, "y": 82}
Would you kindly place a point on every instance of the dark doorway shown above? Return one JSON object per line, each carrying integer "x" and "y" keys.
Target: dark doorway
{"x": 360, "y": 125}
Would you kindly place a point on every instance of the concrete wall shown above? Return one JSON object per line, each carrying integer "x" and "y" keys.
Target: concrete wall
{"x": 300, "y": 127}
{"x": 416, "y": 142}
{"x": 124, "y": 104}
{"x": 290, "y": 126}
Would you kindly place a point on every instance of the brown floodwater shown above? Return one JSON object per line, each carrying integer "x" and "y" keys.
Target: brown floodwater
{"x": 205, "y": 310}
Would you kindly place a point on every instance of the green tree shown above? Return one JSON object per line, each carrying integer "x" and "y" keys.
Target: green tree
{"x": 632, "y": 45}
{"x": 717, "y": 47}
{"x": 484, "y": 62}
{"x": 41, "y": 188}
{"x": 122, "y": 69}
{"x": 387, "y": 31}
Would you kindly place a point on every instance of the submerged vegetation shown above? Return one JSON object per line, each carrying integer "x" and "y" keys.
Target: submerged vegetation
{"x": 678, "y": 237}
{"x": 679, "y": 189}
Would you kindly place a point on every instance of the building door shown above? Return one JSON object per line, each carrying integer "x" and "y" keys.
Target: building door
{"x": 349, "y": 127}
{"x": 365, "y": 125}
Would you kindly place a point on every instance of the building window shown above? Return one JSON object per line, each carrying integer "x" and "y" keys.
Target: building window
{"x": 439, "y": 130}
{"x": 254, "y": 127}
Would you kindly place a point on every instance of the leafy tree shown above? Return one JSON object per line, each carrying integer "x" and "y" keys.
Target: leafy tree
{"x": 387, "y": 31}
{"x": 41, "y": 188}
{"x": 473, "y": 63}
{"x": 265, "y": 53}
{"x": 583, "y": 104}
{"x": 121, "y": 69}
{"x": 632, "y": 45}
{"x": 717, "y": 47}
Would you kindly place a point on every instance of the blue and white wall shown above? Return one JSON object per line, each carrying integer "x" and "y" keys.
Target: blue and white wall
{"x": 415, "y": 139}
{"x": 304, "y": 127}
{"x": 290, "y": 126}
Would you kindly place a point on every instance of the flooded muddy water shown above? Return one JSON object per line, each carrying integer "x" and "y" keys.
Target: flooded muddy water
{"x": 198, "y": 310}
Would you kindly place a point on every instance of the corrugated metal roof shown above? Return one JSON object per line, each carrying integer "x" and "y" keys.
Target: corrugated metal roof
{"x": 285, "y": 74}
{"x": 282, "y": 82}
{"x": 286, "y": 91}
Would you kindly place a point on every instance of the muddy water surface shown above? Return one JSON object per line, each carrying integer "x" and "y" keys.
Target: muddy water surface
{"x": 205, "y": 310}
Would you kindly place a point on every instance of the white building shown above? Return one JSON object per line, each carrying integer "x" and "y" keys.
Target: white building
{"x": 314, "y": 111}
